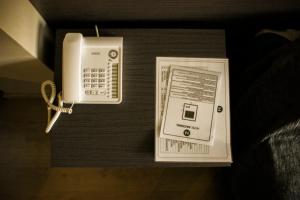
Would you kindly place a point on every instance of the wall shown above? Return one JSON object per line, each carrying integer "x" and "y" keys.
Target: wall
{"x": 24, "y": 42}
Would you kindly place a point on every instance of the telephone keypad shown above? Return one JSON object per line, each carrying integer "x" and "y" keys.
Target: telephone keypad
{"x": 94, "y": 80}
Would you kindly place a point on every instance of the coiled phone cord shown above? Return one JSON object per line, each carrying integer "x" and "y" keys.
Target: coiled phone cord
{"x": 49, "y": 100}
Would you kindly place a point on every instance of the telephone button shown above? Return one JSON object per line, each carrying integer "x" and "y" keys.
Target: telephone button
{"x": 113, "y": 54}
{"x": 94, "y": 80}
{"x": 94, "y": 85}
{"x": 87, "y": 85}
{"x": 87, "y": 70}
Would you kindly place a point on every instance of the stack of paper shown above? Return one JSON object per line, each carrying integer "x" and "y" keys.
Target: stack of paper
{"x": 192, "y": 110}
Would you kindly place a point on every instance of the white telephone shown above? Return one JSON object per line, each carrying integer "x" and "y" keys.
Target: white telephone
{"x": 92, "y": 69}
{"x": 91, "y": 73}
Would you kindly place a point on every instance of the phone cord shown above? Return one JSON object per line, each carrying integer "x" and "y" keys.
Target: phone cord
{"x": 49, "y": 100}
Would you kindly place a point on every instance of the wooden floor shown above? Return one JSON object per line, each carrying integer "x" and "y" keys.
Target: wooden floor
{"x": 25, "y": 171}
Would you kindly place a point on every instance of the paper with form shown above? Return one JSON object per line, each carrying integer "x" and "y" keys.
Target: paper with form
{"x": 190, "y": 105}
{"x": 170, "y": 150}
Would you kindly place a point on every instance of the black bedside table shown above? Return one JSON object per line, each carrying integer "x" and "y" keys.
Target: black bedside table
{"x": 123, "y": 135}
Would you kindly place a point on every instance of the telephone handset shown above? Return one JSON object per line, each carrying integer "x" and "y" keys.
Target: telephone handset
{"x": 92, "y": 69}
{"x": 91, "y": 74}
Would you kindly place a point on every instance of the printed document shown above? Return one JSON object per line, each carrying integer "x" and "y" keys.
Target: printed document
{"x": 174, "y": 150}
{"x": 190, "y": 105}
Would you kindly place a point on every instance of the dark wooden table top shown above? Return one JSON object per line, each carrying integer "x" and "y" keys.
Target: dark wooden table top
{"x": 123, "y": 135}
{"x": 280, "y": 12}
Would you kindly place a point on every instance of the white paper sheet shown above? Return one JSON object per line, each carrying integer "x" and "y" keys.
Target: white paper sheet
{"x": 190, "y": 107}
{"x": 168, "y": 150}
